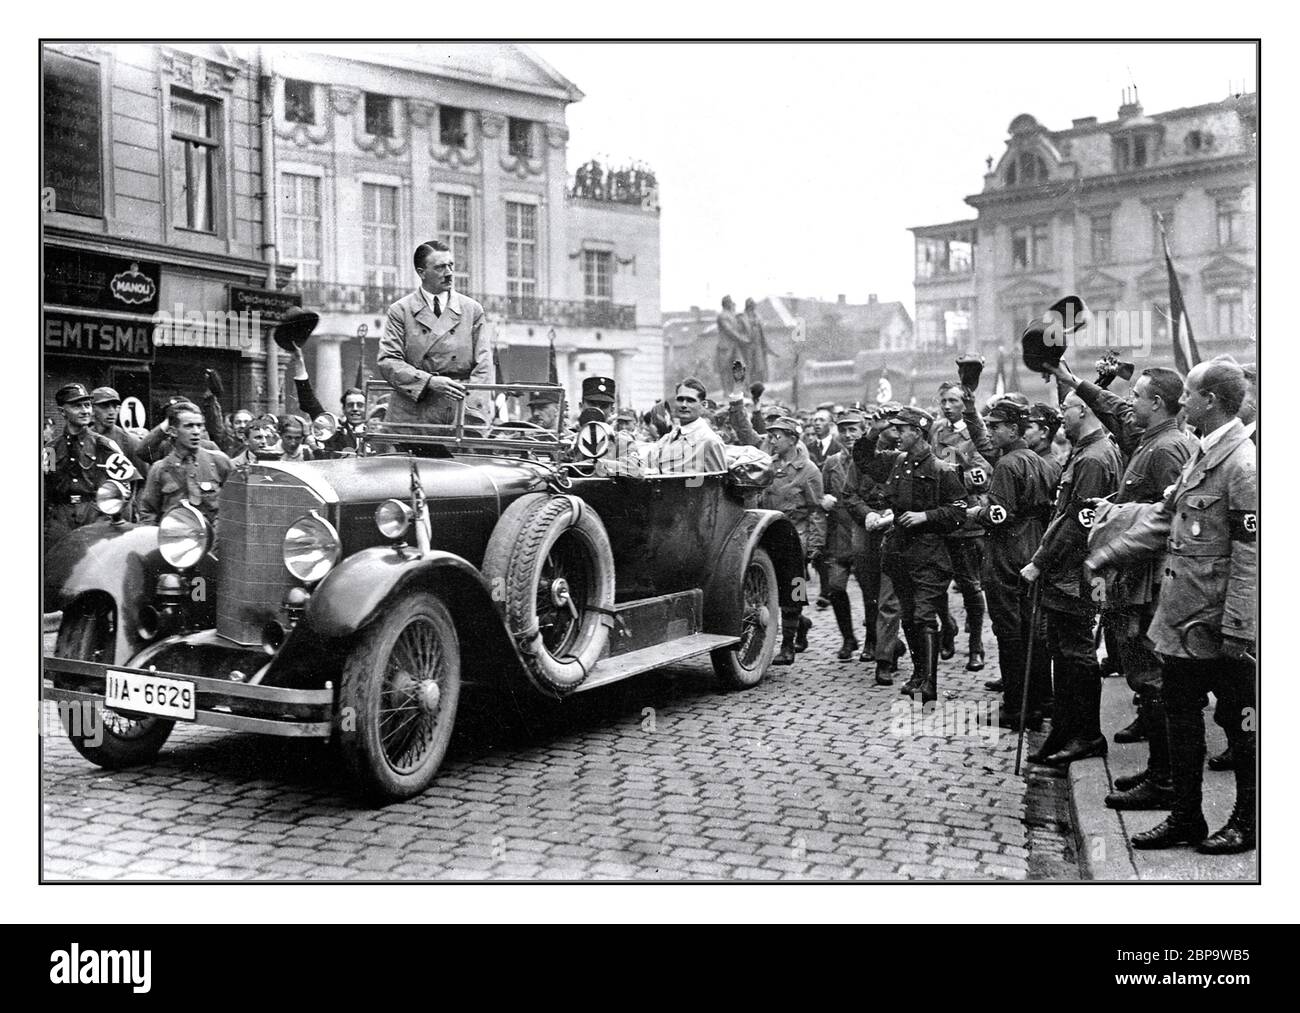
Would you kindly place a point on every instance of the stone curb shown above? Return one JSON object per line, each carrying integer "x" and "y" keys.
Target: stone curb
{"x": 1103, "y": 846}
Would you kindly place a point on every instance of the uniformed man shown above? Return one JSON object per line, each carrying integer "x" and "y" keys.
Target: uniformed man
{"x": 952, "y": 443}
{"x": 1014, "y": 511}
{"x": 1146, "y": 429}
{"x": 190, "y": 473}
{"x": 1069, "y": 599}
{"x": 82, "y": 460}
{"x": 623, "y": 458}
{"x": 625, "y": 421}
{"x": 1040, "y": 435}
{"x": 796, "y": 491}
{"x": 845, "y": 536}
{"x": 105, "y": 403}
{"x": 544, "y": 408}
{"x": 867, "y": 500}
{"x": 1204, "y": 623}
{"x": 927, "y": 502}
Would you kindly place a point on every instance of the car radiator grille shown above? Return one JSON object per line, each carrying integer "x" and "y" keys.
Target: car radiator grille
{"x": 256, "y": 511}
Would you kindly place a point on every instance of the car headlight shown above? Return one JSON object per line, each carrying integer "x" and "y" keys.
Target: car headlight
{"x": 111, "y": 498}
{"x": 311, "y": 548}
{"x": 393, "y": 518}
{"x": 184, "y": 536}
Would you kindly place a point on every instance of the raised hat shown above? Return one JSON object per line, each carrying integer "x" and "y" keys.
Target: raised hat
{"x": 1045, "y": 340}
{"x": 598, "y": 388}
{"x": 296, "y": 327}
{"x": 71, "y": 392}
{"x": 969, "y": 367}
{"x": 1042, "y": 412}
{"x": 104, "y": 395}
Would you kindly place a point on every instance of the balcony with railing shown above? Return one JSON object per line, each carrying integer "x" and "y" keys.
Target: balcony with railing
{"x": 338, "y": 297}
{"x": 628, "y": 184}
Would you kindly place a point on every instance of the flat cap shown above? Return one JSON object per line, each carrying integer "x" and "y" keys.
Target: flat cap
{"x": 104, "y": 395}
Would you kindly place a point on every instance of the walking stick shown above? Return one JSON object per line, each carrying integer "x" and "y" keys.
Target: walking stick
{"x": 1035, "y": 598}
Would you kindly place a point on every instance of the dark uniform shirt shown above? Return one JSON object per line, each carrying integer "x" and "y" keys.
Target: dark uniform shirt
{"x": 1091, "y": 472}
{"x": 78, "y": 467}
{"x": 190, "y": 478}
{"x": 845, "y": 534}
{"x": 1019, "y": 502}
{"x": 917, "y": 482}
{"x": 953, "y": 444}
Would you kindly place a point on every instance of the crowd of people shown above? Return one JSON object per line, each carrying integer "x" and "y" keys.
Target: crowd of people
{"x": 1129, "y": 522}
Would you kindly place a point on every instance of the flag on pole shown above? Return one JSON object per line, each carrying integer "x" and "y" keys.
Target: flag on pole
{"x": 1185, "y": 352}
{"x": 552, "y": 370}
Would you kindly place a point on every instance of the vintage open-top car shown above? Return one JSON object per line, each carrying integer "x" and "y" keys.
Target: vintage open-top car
{"x": 350, "y": 599}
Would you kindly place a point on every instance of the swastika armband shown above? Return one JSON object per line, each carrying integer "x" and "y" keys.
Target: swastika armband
{"x": 997, "y": 514}
{"x": 1084, "y": 514}
{"x": 1243, "y": 525}
{"x": 976, "y": 479}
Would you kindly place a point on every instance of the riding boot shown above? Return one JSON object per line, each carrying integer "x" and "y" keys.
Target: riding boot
{"x": 801, "y": 634}
{"x": 915, "y": 638}
{"x": 1011, "y": 663}
{"x": 1185, "y": 824}
{"x": 1062, "y": 712}
{"x": 844, "y": 619}
{"x": 1136, "y": 730}
{"x": 1086, "y": 739}
{"x": 1238, "y": 834}
{"x": 789, "y": 628}
{"x": 948, "y": 635}
{"x": 975, "y": 631}
{"x": 930, "y": 665}
{"x": 1153, "y": 708}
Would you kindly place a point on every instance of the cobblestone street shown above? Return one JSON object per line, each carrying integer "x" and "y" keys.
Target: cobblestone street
{"x": 814, "y": 775}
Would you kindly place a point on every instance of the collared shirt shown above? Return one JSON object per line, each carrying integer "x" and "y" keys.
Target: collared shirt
{"x": 1207, "y": 442}
{"x": 693, "y": 447}
{"x": 436, "y": 302}
{"x": 194, "y": 478}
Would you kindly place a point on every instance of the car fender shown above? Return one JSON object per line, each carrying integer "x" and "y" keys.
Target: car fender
{"x": 121, "y": 561}
{"x": 766, "y": 529}
{"x": 355, "y": 591}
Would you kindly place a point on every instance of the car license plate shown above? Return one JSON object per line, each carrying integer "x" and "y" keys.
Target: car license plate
{"x": 149, "y": 694}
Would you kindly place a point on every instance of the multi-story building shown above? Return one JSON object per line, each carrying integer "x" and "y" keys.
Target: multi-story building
{"x": 1081, "y": 211}
{"x": 379, "y": 148}
{"x": 151, "y": 204}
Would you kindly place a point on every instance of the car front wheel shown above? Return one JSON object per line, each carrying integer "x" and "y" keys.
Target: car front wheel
{"x": 398, "y": 698}
{"x": 104, "y": 737}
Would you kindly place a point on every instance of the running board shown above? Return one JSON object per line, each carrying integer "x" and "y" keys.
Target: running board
{"x": 620, "y": 666}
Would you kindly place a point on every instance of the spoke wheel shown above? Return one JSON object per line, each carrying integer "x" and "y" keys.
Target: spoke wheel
{"x": 398, "y": 698}
{"x": 744, "y": 664}
{"x": 104, "y": 737}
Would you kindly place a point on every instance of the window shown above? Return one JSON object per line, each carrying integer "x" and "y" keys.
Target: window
{"x": 937, "y": 257}
{"x": 379, "y": 232}
{"x": 1228, "y": 216}
{"x": 1101, "y": 239}
{"x": 300, "y": 224}
{"x": 1031, "y": 247}
{"x": 453, "y": 229}
{"x": 521, "y": 260}
{"x": 379, "y": 115}
{"x": 1026, "y": 168}
{"x": 1198, "y": 141}
{"x": 1135, "y": 150}
{"x": 597, "y": 275}
{"x": 1230, "y": 314}
{"x": 298, "y": 104}
{"x": 193, "y": 155}
{"x": 451, "y": 129}
{"x": 521, "y": 138}
{"x": 72, "y": 124}
{"x": 1139, "y": 151}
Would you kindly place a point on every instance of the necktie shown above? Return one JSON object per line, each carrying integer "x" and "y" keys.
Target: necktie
{"x": 436, "y": 311}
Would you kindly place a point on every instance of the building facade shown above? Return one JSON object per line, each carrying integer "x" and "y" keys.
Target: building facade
{"x": 152, "y": 211}
{"x": 380, "y": 148}
{"x": 1084, "y": 210}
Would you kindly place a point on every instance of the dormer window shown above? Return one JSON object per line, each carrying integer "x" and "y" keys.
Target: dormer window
{"x": 1198, "y": 141}
{"x": 1138, "y": 145}
{"x": 1025, "y": 169}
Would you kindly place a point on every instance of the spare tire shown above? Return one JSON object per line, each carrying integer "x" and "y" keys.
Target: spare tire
{"x": 551, "y": 570}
